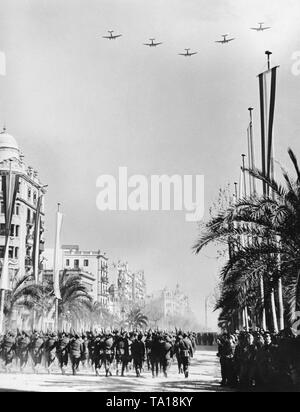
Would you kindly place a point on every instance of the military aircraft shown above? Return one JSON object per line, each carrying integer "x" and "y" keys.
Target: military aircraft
{"x": 260, "y": 28}
{"x": 187, "y": 54}
{"x": 225, "y": 40}
{"x": 152, "y": 44}
{"x": 111, "y": 35}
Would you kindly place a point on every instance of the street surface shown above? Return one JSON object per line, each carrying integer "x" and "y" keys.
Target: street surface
{"x": 204, "y": 377}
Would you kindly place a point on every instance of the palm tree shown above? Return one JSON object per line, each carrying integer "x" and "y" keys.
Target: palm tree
{"x": 136, "y": 319}
{"x": 24, "y": 294}
{"x": 75, "y": 300}
{"x": 272, "y": 223}
{"x": 100, "y": 315}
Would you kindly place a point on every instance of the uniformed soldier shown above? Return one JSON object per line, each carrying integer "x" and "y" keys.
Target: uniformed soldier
{"x": 36, "y": 350}
{"x": 8, "y": 350}
{"x": 50, "y": 351}
{"x": 267, "y": 362}
{"x": 185, "y": 352}
{"x": 98, "y": 353}
{"x": 22, "y": 350}
{"x": 119, "y": 351}
{"x": 166, "y": 353}
{"x": 127, "y": 358}
{"x": 138, "y": 351}
{"x": 226, "y": 354}
{"x": 155, "y": 355}
{"x": 85, "y": 350}
{"x": 62, "y": 352}
{"x": 108, "y": 347}
{"x": 76, "y": 351}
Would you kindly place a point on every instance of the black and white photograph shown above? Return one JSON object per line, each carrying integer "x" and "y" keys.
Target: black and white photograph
{"x": 149, "y": 198}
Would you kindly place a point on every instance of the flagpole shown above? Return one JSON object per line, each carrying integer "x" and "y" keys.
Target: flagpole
{"x": 5, "y": 259}
{"x": 55, "y": 269}
{"x": 269, "y": 54}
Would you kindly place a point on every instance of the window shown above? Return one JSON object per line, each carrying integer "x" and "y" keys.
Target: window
{"x": 68, "y": 262}
{"x": 2, "y": 207}
{"x": 28, "y": 215}
{"x": 16, "y": 253}
{"x": 17, "y": 233}
{"x": 29, "y": 194}
{"x": 17, "y": 210}
{"x": 85, "y": 263}
{"x": 12, "y": 230}
{"x": 76, "y": 264}
{"x": 11, "y": 252}
{"x": 2, "y": 229}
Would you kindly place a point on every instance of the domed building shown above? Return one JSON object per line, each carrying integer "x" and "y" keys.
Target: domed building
{"x": 28, "y": 212}
{"x": 9, "y": 148}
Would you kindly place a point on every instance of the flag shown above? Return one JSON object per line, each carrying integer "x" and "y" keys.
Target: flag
{"x": 36, "y": 242}
{"x": 267, "y": 92}
{"x": 10, "y": 187}
{"x": 56, "y": 265}
{"x": 2, "y": 64}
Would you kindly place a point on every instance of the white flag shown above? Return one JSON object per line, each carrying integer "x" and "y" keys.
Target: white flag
{"x": 2, "y": 64}
{"x": 56, "y": 265}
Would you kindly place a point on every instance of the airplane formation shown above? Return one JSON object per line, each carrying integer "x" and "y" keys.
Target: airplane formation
{"x": 153, "y": 43}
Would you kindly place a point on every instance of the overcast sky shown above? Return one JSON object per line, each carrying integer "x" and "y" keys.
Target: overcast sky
{"x": 80, "y": 106}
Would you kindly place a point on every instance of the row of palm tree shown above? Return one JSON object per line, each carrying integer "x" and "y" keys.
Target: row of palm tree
{"x": 76, "y": 307}
{"x": 260, "y": 282}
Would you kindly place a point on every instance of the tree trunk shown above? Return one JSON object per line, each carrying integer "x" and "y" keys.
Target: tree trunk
{"x": 246, "y": 319}
{"x": 281, "y": 306}
{"x": 274, "y": 315}
{"x": 262, "y": 296}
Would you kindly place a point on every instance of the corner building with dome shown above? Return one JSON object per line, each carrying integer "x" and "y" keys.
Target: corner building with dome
{"x": 21, "y": 242}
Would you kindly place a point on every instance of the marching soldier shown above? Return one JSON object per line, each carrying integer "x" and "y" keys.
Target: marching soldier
{"x": 185, "y": 352}
{"x": 50, "y": 351}
{"x": 127, "y": 357}
{"x": 22, "y": 350}
{"x": 138, "y": 351}
{"x": 37, "y": 350}
{"x": 119, "y": 351}
{"x": 62, "y": 353}
{"x": 108, "y": 347}
{"x": 85, "y": 350}
{"x": 166, "y": 348}
{"x": 8, "y": 350}
{"x": 76, "y": 351}
{"x": 155, "y": 356}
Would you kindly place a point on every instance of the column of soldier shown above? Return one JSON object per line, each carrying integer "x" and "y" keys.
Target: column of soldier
{"x": 260, "y": 361}
{"x": 121, "y": 351}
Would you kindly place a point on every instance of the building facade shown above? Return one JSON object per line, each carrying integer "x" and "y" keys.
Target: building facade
{"x": 21, "y": 253}
{"x": 168, "y": 305}
{"x": 131, "y": 287}
{"x": 91, "y": 266}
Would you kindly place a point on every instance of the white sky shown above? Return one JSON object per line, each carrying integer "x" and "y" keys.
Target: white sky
{"x": 81, "y": 106}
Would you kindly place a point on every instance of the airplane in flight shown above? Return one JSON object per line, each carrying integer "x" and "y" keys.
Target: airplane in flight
{"x": 111, "y": 35}
{"x": 225, "y": 40}
{"x": 187, "y": 53}
{"x": 260, "y": 28}
{"x": 152, "y": 44}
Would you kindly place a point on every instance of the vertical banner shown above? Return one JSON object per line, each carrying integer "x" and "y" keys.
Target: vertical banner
{"x": 10, "y": 187}
{"x": 56, "y": 265}
{"x": 267, "y": 92}
{"x": 36, "y": 242}
{"x": 2, "y": 64}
